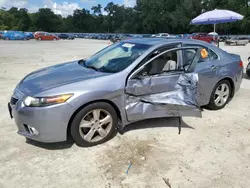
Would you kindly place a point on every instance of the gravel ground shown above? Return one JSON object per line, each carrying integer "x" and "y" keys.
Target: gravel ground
{"x": 213, "y": 151}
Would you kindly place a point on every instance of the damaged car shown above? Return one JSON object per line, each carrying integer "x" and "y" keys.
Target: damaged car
{"x": 132, "y": 80}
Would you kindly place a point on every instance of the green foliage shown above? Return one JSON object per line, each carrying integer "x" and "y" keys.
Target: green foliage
{"x": 148, "y": 16}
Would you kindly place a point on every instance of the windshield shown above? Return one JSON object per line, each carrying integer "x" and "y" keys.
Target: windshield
{"x": 116, "y": 58}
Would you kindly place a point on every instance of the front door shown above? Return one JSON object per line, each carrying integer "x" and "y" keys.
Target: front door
{"x": 163, "y": 88}
{"x": 47, "y": 36}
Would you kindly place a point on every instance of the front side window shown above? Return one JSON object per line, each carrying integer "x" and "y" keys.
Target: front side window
{"x": 117, "y": 57}
{"x": 167, "y": 62}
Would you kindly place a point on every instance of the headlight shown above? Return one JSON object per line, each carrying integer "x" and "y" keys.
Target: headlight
{"x": 45, "y": 101}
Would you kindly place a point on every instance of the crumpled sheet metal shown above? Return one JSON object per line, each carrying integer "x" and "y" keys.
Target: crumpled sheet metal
{"x": 177, "y": 99}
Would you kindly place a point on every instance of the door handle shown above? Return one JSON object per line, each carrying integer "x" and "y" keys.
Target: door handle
{"x": 213, "y": 67}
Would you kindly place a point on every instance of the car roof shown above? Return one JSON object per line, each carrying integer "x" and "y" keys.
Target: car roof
{"x": 165, "y": 41}
{"x": 158, "y": 42}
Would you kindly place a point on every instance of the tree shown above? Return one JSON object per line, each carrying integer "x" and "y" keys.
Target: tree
{"x": 47, "y": 21}
{"x": 148, "y": 16}
{"x": 97, "y": 9}
{"x": 24, "y": 21}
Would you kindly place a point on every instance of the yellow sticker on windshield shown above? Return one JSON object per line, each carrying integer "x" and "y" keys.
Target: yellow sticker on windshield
{"x": 128, "y": 45}
{"x": 204, "y": 53}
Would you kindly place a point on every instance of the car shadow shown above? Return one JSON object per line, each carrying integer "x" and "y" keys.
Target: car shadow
{"x": 156, "y": 123}
{"x": 58, "y": 145}
{"x": 144, "y": 124}
{"x": 51, "y": 146}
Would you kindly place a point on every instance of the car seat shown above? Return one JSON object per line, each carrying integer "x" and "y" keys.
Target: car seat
{"x": 157, "y": 66}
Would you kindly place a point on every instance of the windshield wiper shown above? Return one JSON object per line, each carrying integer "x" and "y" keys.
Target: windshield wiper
{"x": 89, "y": 67}
{"x": 92, "y": 67}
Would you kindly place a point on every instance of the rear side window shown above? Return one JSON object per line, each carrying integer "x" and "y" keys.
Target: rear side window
{"x": 212, "y": 55}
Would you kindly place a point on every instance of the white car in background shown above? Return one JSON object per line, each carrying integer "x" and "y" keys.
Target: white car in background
{"x": 237, "y": 41}
{"x": 164, "y": 35}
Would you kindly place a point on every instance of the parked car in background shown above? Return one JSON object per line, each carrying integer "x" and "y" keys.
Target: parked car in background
{"x": 162, "y": 35}
{"x": 204, "y": 37}
{"x": 29, "y": 35}
{"x": 45, "y": 36}
{"x": 65, "y": 36}
{"x": 248, "y": 68}
{"x": 118, "y": 38}
{"x": 14, "y": 35}
{"x": 223, "y": 38}
{"x": 237, "y": 41}
{"x": 133, "y": 80}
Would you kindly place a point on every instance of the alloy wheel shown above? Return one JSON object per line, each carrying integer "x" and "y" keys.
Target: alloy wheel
{"x": 221, "y": 94}
{"x": 95, "y": 125}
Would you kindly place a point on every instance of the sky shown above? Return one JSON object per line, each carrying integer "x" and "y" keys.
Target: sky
{"x": 63, "y": 7}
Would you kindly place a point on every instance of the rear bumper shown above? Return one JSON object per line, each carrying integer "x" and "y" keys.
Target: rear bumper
{"x": 238, "y": 80}
{"x": 43, "y": 124}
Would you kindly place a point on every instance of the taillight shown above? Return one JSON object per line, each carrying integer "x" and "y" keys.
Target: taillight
{"x": 241, "y": 64}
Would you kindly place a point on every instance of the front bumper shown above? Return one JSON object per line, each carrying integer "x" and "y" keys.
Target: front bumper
{"x": 43, "y": 124}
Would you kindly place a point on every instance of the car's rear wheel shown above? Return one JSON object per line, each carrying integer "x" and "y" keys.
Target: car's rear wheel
{"x": 220, "y": 95}
{"x": 7, "y": 38}
{"x": 39, "y": 38}
{"x": 94, "y": 124}
{"x": 54, "y": 38}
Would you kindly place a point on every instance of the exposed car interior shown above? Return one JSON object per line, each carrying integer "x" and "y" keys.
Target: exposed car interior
{"x": 164, "y": 63}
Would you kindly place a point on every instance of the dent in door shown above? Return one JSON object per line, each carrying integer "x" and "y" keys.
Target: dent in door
{"x": 180, "y": 101}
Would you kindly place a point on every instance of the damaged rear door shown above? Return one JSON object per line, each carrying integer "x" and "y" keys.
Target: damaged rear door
{"x": 163, "y": 87}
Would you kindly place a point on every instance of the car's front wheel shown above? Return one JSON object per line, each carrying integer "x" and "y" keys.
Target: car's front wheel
{"x": 94, "y": 124}
{"x": 220, "y": 95}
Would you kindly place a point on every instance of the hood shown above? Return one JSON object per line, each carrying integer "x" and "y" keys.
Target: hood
{"x": 55, "y": 76}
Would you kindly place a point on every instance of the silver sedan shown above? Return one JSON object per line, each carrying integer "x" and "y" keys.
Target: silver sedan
{"x": 126, "y": 82}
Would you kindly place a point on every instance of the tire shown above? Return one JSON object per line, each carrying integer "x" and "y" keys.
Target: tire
{"x": 54, "y": 38}
{"x": 7, "y": 38}
{"x": 212, "y": 105}
{"x": 93, "y": 125}
{"x": 39, "y": 39}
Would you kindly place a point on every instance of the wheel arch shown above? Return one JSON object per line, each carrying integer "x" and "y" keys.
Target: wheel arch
{"x": 230, "y": 80}
{"x": 118, "y": 112}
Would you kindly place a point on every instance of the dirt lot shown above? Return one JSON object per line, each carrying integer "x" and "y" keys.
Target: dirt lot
{"x": 212, "y": 152}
